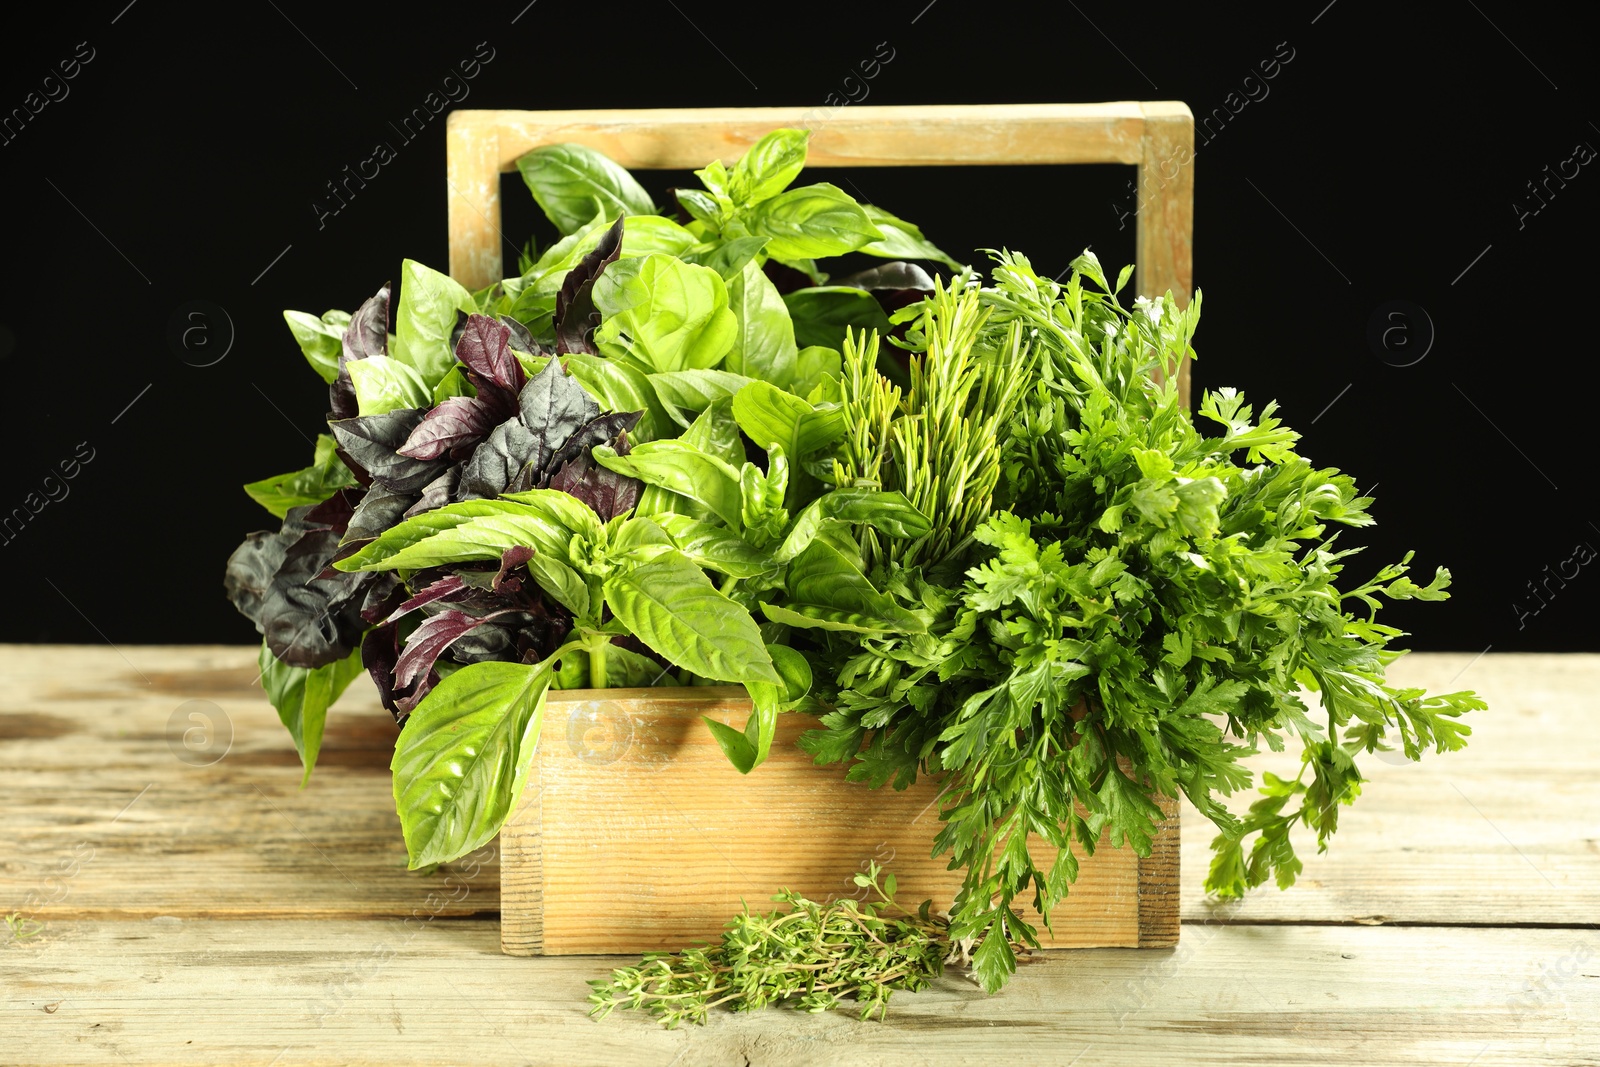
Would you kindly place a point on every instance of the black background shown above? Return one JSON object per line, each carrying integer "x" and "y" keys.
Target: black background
{"x": 1384, "y": 160}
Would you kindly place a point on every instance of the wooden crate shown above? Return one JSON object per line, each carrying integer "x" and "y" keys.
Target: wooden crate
{"x": 634, "y": 833}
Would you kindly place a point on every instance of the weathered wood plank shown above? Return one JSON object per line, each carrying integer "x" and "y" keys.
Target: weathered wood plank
{"x": 82, "y": 735}
{"x": 108, "y": 813}
{"x": 289, "y": 993}
{"x": 1505, "y": 831}
{"x": 1165, "y": 220}
{"x": 630, "y": 792}
{"x": 484, "y": 144}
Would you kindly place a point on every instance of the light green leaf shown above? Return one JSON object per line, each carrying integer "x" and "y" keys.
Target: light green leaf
{"x": 322, "y": 340}
{"x": 425, "y": 320}
{"x": 316, "y": 483}
{"x": 770, "y": 416}
{"x": 682, "y": 469}
{"x": 827, "y": 590}
{"x": 302, "y": 698}
{"x": 667, "y": 314}
{"x": 694, "y": 390}
{"x": 716, "y": 548}
{"x": 463, "y": 757}
{"x": 459, "y": 533}
{"x": 571, "y": 182}
{"x": 768, "y": 167}
{"x": 812, "y": 221}
{"x": 728, "y": 258}
{"x": 618, "y": 386}
{"x": 814, "y": 364}
{"x": 890, "y": 513}
{"x": 763, "y": 346}
{"x": 670, "y": 605}
{"x": 902, "y": 240}
{"x": 383, "y": 385}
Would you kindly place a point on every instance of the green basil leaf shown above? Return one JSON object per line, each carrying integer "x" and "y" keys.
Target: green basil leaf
{"x": 571, "y": 182}
{"x": 670, "y": 605}
{"x": 627, "y": 669}
{"x": 701, "y": 206}
{"x": 768, "y": 167}
{"x": 728, "y": 258}
{"x": 715, "y": 548}
{"x": 455, "y": 384}
{"x": 458, "y": 533}
{"x": 383, "y": 385}
{"x": 682, "y": 469}
{"x": 764, "y": 345}
{"x": 619, "y": 386}
{"x": 902, "y": 240}
{"x": 668, "y": 314}
{"x": 813, "y": 366}
{"x": 322, "y": 340}
{"x": 822, "y": 314}
{"x": 302, "y": 698}
{"x": 426, "y": 319}
{"x": 770, "y": 416}
{"x": 463, "y": 757}
{"x": 563, "y": 584}
{"x": 694, "y": 390}
{"x": 560, "y": 509}
{"x": 827, "y": 590}
{"x": 812, "y": 221}
{"x": 890, "y": 513}
{"x": 316, "y": 483}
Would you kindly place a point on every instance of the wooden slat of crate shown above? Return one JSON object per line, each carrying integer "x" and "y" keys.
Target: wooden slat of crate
{"x": 1155, "y": 136}
{"x": 635, "y": 834}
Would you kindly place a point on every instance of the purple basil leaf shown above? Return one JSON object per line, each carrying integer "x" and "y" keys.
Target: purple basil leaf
{"x": 485, "y": 349}
{"x": 600, "y": 431}
{"x": 457, "y": 421}
{"x": 367, "y": 335}
{"x": 380, "y": 651}
{"x": 576, "y": 317}
{"x": 510, "y": 560}
{"x": 496, "y": 640}
{"x": 896, "y": 284}
{"x": 310, "y": 620}
{"x": 383, "y": 595}
{"x": 429, "y": 640}
{"x": 554, "y": 406}
{"x": 373, "y": 441}
{"x": 380, "y": 509}
{"x": 437, "y": 493}
{"x": 336, "y": 511}
{"x": 521, "y": 339}
{"x": 610, "y": 494}
{"x": 497, "y": 462}
{"x": 444, "y": 588}
{"x": 253, "y": 564}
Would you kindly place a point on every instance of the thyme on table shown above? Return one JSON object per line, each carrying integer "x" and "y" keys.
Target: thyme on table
{"x": 815, "y": 954}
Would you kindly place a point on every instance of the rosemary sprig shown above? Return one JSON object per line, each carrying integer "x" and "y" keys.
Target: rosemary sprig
{"x": 815, "y": 954}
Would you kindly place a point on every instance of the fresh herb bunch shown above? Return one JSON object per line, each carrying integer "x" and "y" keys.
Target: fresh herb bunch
{"x": 813, "y": 954}
{"x": 599, "y": 473}
{"x": 1140, "y": 612}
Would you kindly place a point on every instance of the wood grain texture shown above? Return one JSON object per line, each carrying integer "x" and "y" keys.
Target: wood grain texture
{"x": 1506, "y": 830}
{"x": 483, "y": 144}
{"x": 104, "y": 818}
{"x": 1165, "y": 219}
{"x": 289, "y": 993}
{"x": 630, "y": 792}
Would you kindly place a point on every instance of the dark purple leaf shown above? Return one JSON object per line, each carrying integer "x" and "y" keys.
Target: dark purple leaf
{"x": 896, "y": 284}
{"x": 367, "y": 335}
{"x": 610, "y": 494}
{"x": 380, "y": 651}
{"x": 373, "y": 443}
{"x": 510, "y": 560}
{"x": 254, "y": 563}
{"x": 383, "y": 595}
{"x": 445, "y": 588}
{"x": 521, "y": 339}
{"x": 457, "y": 421}
{"x": 380, "y": 509}
{"x": 485, "y": 349}
{"x": 497, "y": 462}
{"x": 310, "y": 620}
{"x": 335, "y": 512}
{"x": 429, "y": 640}
{"x": 554, "y": 406}
{"x": 437, "y": 493}
{"x": 600, "y": 431}
{"x": 575, "y": 316}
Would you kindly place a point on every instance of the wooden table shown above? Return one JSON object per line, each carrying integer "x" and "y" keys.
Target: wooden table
{"x": 191, "y": 905}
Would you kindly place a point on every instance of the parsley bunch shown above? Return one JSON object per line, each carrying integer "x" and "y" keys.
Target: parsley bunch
{"x": 1142, "y": 608}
